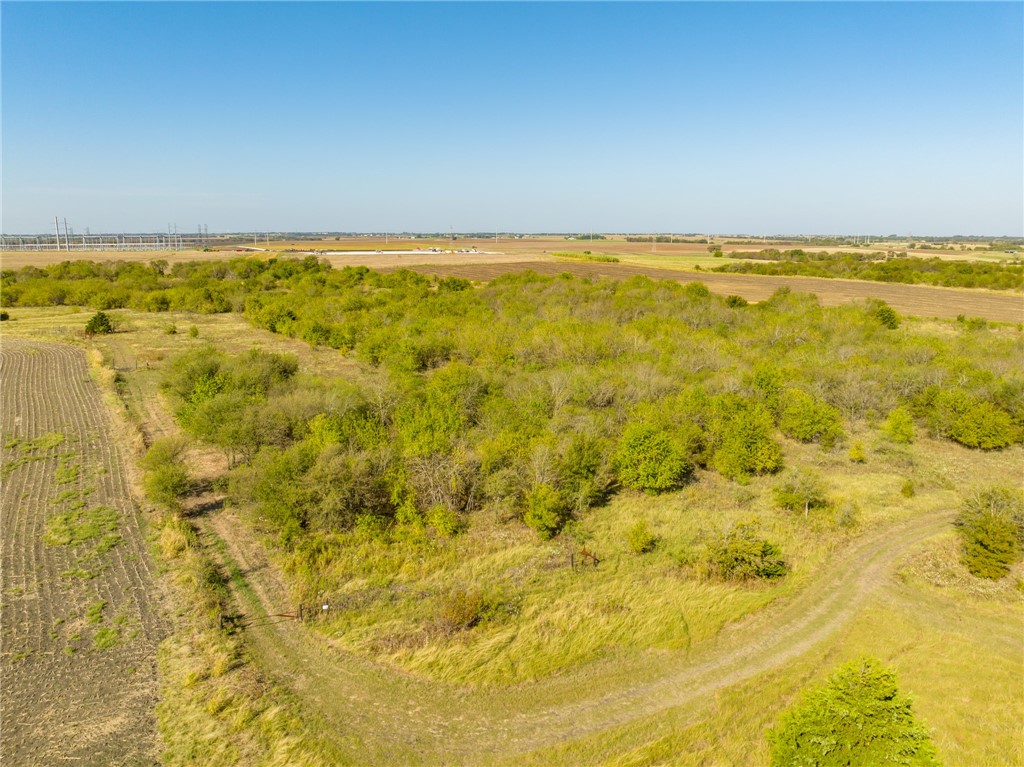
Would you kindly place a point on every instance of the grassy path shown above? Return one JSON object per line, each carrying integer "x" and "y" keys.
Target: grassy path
{"x": 379, "y": 715}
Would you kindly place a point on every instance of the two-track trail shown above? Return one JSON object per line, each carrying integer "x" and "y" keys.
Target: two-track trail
{"x": 383, "y": 716}
{"x": 79, "y": 613}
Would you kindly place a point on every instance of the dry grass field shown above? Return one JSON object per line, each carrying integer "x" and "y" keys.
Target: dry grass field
{"x": 81, "y": 616}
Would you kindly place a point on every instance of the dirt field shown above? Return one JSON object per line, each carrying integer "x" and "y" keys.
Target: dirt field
{"x": 917, "y": 300}
{"x": 506, "y": 250}
{"x": 81, "y": 621}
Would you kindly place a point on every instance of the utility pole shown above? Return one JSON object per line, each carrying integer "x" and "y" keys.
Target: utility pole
{"x": 67, "y": 245}
{"x": 56, "y": 228}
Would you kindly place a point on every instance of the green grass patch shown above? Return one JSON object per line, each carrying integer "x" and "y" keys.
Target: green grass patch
{"x": 105, "y": 638}
{"x": 30, "y": 450}
{"x": 66, "y": 472}
{"x": 77, "y": 526}
{"x": 94, "y": 612}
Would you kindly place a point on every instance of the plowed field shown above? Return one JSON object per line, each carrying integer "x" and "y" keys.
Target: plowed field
{"x": 80, "y": 618}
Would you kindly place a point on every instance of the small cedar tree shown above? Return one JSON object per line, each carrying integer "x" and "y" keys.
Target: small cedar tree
{"x": 857, "y": 719}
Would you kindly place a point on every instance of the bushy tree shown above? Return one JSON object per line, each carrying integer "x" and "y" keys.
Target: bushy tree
{"x": 801, "y": 490}
{"x": 167, "y": 479}
{"x": 546, "y": 511}
{"x": 991, "y": 528}
{"x": 857, "y": 719}
{"x": 972, "y": 422}
{"x": 808, "y": 419}
{"x": 744, "y": 445}
{"x": 584, "y": 472}
{"x": 886, "y": 315}
{"x": 742, "y": 553}
{"x": 648, "y": 459}
{"x": 899, "y": 426}
{"x": 99, "y": 324}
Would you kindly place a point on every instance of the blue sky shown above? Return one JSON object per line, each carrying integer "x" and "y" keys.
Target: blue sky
{"x": 722, "y": 117}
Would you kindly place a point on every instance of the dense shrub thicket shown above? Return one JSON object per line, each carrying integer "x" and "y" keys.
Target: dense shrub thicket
{"x": 540, "y": 395}
{"x": 543, "y": 395}
{"x": 867, "y": 266}
{"x": 857, "y": 719}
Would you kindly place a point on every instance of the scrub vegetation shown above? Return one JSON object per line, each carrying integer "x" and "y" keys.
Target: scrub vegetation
{"x": 503, "y": 483}
{"x": 549, "y": 406}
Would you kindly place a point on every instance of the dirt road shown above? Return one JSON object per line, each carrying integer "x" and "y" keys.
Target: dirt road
{"x": 383, "y": 716}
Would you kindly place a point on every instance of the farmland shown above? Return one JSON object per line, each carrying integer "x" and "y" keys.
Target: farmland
{"x": 81, "y": 608}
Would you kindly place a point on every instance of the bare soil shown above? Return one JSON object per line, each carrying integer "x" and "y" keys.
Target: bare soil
{"x": 79, "y": 684}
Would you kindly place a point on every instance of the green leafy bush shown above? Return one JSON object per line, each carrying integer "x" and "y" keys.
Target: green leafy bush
{"x": 168, "y": 484}
{"x": 741, "y": 553}
{"x": 743, "y": 441}
{"x": 445, "y": 521}
{"x": 640, "y": 538}
{"x": 899, "y": 426}
{"x": 858, "y": 718}
{"x": 648, "y": 459}
{"x": 971, "y": 421}
{"x": 810, "y": 420}
{"x": 167, "y": 478}
{"x": 991, "y": 528}
{"x": 546, "y": 511}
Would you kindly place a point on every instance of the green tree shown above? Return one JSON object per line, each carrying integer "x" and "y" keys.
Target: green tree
{"x": 99, "y": 324}
{"x": 972, "y": 422}
{"x": 167, "y": 478}
{"x": 899, "y": 426}
{"x": 857, "y": 719}
{"x": 886, "y": 315}
{"x": 546, "y": 511}
{"x": 745, "y": 444}
{"x": 648, "y": 459}
{"x": 801, "y": 490}
{"x": 991, "y": 528}
{"x": 810, "y": 420}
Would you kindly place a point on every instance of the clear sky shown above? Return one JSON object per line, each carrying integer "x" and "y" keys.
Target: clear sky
{"x": 687, "y": 117}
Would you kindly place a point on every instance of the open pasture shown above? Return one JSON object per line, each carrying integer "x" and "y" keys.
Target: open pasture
{"x": 80, "y": 613}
